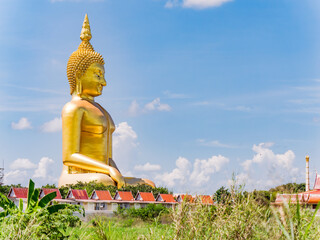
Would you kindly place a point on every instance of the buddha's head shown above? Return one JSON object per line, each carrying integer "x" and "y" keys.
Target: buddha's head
{"x": 85, "y": 69}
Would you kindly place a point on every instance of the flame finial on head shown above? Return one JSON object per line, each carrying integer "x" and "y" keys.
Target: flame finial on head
{"x": 86, "y": 31}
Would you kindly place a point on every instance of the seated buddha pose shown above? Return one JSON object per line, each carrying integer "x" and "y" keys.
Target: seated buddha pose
{"x": 86, "y": 126}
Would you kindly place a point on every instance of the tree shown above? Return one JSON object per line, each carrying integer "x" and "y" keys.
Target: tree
{"x": 51, "y": 186}
{"x": 221, "y": 195}
{"x": 262, "y": 197}
{"x": 4, "y": 189}
{"x": 93, "y": 185}
{"x": 289, "y": 188}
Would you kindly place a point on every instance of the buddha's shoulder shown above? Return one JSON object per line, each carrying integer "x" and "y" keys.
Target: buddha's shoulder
{"x": 74, "y": 106}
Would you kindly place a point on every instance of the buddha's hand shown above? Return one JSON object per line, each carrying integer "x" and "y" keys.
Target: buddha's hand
{"x": 117, "y": 177}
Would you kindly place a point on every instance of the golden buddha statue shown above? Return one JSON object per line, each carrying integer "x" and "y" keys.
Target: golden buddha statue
{"x": 86, "y": 126}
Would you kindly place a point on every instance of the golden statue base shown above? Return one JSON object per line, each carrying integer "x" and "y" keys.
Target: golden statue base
{"x": 68, "y": 179}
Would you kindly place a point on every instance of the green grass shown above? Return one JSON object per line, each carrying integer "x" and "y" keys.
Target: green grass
{"x": 121, "y": 228}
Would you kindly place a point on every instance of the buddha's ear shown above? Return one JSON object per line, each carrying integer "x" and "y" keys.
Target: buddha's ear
{"x": 78, "y": 84}
{"x": 78, "y": 75}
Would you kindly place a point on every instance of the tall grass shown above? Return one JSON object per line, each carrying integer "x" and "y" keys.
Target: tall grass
{"x": 240, "y": 216}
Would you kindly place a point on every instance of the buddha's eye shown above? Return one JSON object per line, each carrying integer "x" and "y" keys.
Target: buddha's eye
{"x": 98, "y": 76}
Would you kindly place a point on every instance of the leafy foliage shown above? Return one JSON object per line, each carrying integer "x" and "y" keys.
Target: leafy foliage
{"x": 39, "y": 220}
{"x": 4, "y": 189}
{"x": 50, "y": 186}
{"x": 64, "y": 191}
{"x": 241, "y": 216}
{"x": 145, "y": 188}
{"x": 221, "y": 195}
{"x": 289, "y": 188}
{"x": 262, "y": 197}
{"x": 148, "y": 213}
{"x": 39, "y": 224}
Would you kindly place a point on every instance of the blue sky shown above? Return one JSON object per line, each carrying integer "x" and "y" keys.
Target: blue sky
{"x": 199, "y": 89}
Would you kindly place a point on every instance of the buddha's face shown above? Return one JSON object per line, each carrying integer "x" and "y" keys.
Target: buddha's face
{"x": 93, "y": 80}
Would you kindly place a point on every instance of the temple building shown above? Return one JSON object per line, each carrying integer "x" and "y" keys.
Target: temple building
{"x": 102, "y": 202}
{"x": 309, "y": 197}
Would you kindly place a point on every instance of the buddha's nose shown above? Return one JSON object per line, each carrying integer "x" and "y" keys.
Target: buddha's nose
{"x": 103, "y": 82}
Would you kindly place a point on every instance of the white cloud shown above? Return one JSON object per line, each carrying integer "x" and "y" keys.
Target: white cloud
{"x": 179, "y": 175}
{"x": 15, "y": 177}
{"x": 127, "y": 174}
{"x": 265, "y": 154}
{"x": 246, "y": 164}
{"x": 23, "y": 170}
{"x": 134, "y": 108}
{"x": 187, "y": 174}
{"x": 147, "y": 167}
{"x": 196, "y": 4}
{"x": 172, "y": 3}
{"x": 43, "y": 169}
{"x": 154, "y": 105}
{"x": 22, "y": 163}
{"x": 124, "y": 134}
{"x": 22, "y": 124}
{"x": 201, "y": 4}
{"x": 125, "y": 143}
{"x": 241, "y": 179}
{"x": 54, "y": 125}
{"x": 169, "y": 94}
{"x": 278, "y": 168}
{"x": 203, "y": 169}
{"x": 214, "y": 143}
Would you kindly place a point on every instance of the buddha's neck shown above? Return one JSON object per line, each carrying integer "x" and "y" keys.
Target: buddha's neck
{"x": 82, "y": 96}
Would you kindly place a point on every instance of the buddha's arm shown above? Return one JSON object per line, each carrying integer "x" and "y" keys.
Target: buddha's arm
{"x": 109, "y": 136}
{"x": 71, "y": 122}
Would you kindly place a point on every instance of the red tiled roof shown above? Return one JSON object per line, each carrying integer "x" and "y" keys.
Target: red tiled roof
{"x": 19, "y": 192}
{"x": 206, "y": 199}
{"x": 312, "y": 197}
{"x": 50, "y": 190}
{"x": 187, "y": 198}
{"x": 125, "y": 196}
{"x": 102, "y": 195}
{"x": 317, "y": 183}
{"x": 79, "y": 194}
{"x": 290, "y": 198}
{"x": 167, "y": 197}
{"x": 146, "y": 196}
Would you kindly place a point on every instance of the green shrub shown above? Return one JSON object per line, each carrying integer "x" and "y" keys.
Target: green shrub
{"x": 149, "y": 213}
{"x": 39, "y": 220}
